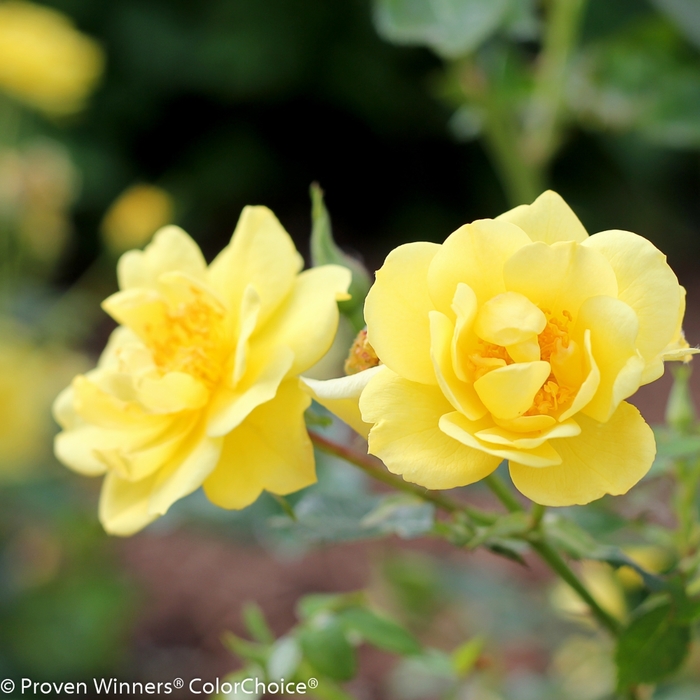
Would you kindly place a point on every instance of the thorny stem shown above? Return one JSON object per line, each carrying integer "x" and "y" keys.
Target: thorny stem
{"x": 538, "y": 542}
{"x": 374, "y": 468}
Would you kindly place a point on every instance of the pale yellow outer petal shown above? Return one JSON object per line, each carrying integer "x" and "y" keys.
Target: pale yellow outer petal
{"x": 308, "y": 320}
{"x": 260, "y": 253}
{"x": 548, "y": 219}
{"x": 465, "y": 431}
{"x": 270, "y": 451}
{"x": 613, "y": 326}
{"x": 123, "y": 508}
{"x": 396, "y": 311}
{"x": 230, "y": 407}
{"x": 128, "y": 506}
{"x": 647, "y": 284}
{"x": 341, "y": 396}
{"x": 606, "y": 458}
{"x": 559, "y": 277}
{"x": 172, "y": 250}
{"x": 473, "y": 254}
{"x": 407, "y": 438}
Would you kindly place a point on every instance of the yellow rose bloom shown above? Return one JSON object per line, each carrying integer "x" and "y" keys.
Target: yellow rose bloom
{"x": 44, "y": 60}
{"x": 198, "y": 386}
{"x": 519, "y": 339}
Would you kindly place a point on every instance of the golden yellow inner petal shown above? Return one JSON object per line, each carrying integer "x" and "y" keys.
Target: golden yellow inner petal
{"x": 553, "y": 339}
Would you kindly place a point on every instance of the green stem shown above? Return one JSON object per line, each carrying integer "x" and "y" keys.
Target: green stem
{"x": 503, "y": 493}
{"x": 552, "y": 557}
{"x": 537, "y": 513}
{"x": 375, "y": 469}
{"x": 560, "y": 567}
{"x": 542, "y": 125}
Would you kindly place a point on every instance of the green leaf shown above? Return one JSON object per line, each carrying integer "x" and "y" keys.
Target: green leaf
{"x": 685, "y": 14}
{"x": 327, "y": 649}
{"x": 249, "y": 651}
{"x": 465, "y": 656}
{"x": 401, "y": 514}
{"x": 311, "y": 605}
{"x": 680, "y": 411}
{"x": 652, "y": 646}
{"x": 451, "y": 28}
{"x": 285, "y": 657}
{"x": 379, "y": 631}
{"x": 506, "y": 526}
{"x": 325, "y": 251}
{"x": 330, "y": 517}
{"x": 254, "y": 620}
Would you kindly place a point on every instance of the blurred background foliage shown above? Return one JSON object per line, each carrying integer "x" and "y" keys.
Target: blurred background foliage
{"x": 415, "y": 116}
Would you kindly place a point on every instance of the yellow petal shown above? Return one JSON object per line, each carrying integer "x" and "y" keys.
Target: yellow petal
{"x": 126, "y": 506}
{"x": 135, "y": 463}
{"x": 171, "y": 250}
{"x": 509, "y": 318}
{"x": 341, "y": 396}
{"x": 247, "y": 320}
{"x": 473, "y": 254}
{"x": 548, "y": 219}
{"x": 605, "y": 458}
{"x": 172, "y": 393}
{"x": 230, "y": 407}
{"x": 396, "y": 311}
{"x": 123, "y": 508}
{"x": 464, "y": 340}
{"x": 308, "y": 320}
{"x": 271, "y": 450}
{"x": 463, "y": 430}
{"x": 526, "y": 424}
{"x": 590, "y": 384}
{"x": 559, "y": 277}
{"x": 509, "y": 391}
{"x": 647, "y": 284}
{"x": 260, "y": 253}
{"x": 613, "y": 326}
{"x": 407, "y": 437}
{"x": 186, "y": 471}
{"x": 460, "y": 394}
{"x": 500, "y": 436}
{"x": 75, "y": 449}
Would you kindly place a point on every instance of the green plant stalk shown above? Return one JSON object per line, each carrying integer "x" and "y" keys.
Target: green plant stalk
{"x": 375, "y": 469}
{"x": 687, "y": 479}
{"x": 543, "y": 118}
{"x": 552, "y": 557}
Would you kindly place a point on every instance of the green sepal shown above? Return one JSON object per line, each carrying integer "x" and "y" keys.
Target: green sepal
{"x": 325, "y": 251}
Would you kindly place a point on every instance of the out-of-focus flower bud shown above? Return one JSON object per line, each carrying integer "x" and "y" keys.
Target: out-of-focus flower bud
{"x": 135, "y": 216}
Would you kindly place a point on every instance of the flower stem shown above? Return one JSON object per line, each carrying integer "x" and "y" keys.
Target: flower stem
{"x": 375, "y": 469}
{"x": 551, "y": 557}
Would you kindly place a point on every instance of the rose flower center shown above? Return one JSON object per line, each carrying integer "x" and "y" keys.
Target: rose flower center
{"x": 190, "y": 338}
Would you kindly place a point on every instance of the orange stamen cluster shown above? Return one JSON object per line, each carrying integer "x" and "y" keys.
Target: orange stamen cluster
{"x": 552, "y": 395}
{"x": 190, "y": 339}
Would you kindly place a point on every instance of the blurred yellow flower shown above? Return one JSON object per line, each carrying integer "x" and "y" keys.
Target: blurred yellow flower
{"x": 518, "y": 338}
{"x": 199, "y": 383}
{"x": 29, "y": 378}
{"x": 135, "y": 216}
{"x": 650, "y": 557}
{"x": 600, "y": 579}
{"x": 44, "y": 60}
